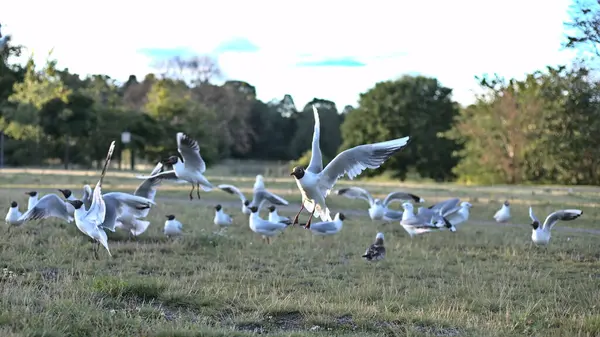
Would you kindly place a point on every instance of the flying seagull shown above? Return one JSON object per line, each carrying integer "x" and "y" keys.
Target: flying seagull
{"x": 316, "y": 182}
{"x": 540, "y": 234}
{"x": 259, "y": 195}
{"x": 377, "y": 209}
{"x": 190, "y": 169}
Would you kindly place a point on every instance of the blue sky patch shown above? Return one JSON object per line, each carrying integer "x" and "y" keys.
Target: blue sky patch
{"x": 237, "y": 45}
{"x": 160, "y": 53}
{"x": 332, "y": 62}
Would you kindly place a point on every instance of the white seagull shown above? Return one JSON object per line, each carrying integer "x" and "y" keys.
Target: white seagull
{"x": 50, "y": 205}
{"x": 540, "y": 234}
{"x": 259, "y": 195}
{"x": 190, "y": 169}
{"x": 274, "y": 217}
{"x": 414, "y": 225}
{"x": 172, "y": 226}
{"x": 89, "y": 222}
{"x": 326, "y": 228}
{"x": 33, "y": 199}
{"x": 221, "y": 219}
{"x": 86, "y": 197}
{"x": 264, "y": 227}
{"x": 503, "y": 214}
{"x": 13, "y": 215}
{"x": 456, "y": 215}
{"x": 444, "y": 208}
{"x": 130, "y": 219}
{"x": 376, "y": 251}
{"x": 316, "y": 182}
{"x": 378, "y": 210}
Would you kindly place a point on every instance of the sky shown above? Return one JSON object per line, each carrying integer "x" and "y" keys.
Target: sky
{"x": 332, "y": 50}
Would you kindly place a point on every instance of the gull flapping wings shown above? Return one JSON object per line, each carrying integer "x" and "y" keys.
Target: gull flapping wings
{"x": 190, "y": 151}
{"x": 97, "y": 211}
{"x": 147, "y": 189}
{"x": 261, "y": 195}
{"x": 446, "y": 204}
{"x": 533, "y": 217}
{"x": 401, "y": 196}
{"x": 562, "y": 215}
{"x": 316, "y": 160}
{"x": 50, "y": 205}
{"x": 87, "y": 196}
{"x": 356, "y": 193}
{"x": 355, "y": 160}
{"x": 233, "y": 190}
{"x": 118, "y": 204}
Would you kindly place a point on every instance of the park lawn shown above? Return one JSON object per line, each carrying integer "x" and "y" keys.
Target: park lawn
{"x": 480, "y": 281}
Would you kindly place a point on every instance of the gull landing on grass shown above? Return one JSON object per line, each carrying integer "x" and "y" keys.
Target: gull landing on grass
{"x": 190, "y": 169}
{"x": 315, "y": 182}
{"x": 540, "y": 234}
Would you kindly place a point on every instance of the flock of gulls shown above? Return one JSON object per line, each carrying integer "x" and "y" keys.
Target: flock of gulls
{"x": 95, "y": 212}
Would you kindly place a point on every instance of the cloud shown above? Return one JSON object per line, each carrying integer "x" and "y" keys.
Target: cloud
{"x": 162, "y": 53}
{"x": 236, "y": 45}
{"x": 332, "y": 62}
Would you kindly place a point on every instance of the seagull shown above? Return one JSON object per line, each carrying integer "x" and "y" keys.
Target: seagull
{"x": 415, "y": 225}
{"x": 33, "y": 199}
{"x": 190, "y": 169}
{"x": 503, "y": 214}
{"x": 326, "y": 228}
{"x": 316, "y": 182}
{"x": 259, "y": 195}
{"x": 131, "y": 220}
{"x": 274, "y": 217}
{"x": 172, "y": 226}
{"x": 379, "y": 210}
{"x": 264, "y": 227}
{"x": 376, "y": 251}
{"x": 50, "y": 205}
{"x": 540, "y": 235}
{"x": 90, "y": 221}
{"x": 221, "y": 218}
{"x": 86, "y": 197}
{"x": 458, "y": 215}
{"x": 13, "y": 215}
{"x": 445, "y": 208}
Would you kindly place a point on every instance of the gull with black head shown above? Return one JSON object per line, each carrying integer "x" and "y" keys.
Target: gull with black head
{"x": 540, "y": 234}
{"x": 190, "y": 169}
{"x": 260, "y": 195}
{"x": 172, "y": 226}
{"x": 315, "y": 182}
{"x": 264, "y": 227}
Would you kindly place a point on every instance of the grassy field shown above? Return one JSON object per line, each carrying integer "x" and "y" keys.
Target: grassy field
{"x": 484, "y": 280}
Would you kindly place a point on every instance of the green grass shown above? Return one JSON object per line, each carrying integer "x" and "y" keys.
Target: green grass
{"x": 479, "y": 281}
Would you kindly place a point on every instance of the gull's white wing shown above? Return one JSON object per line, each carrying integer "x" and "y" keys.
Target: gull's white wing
{"x": 532, "y": 216}
{"x": 190, "y": 151}
{"x": 261, "y": 195}
{"x": 393, "y": 215}
{"x": 97, "y": 210}
{"x": 270, "y": 226}
{"x": 167, "y": 175}
{"x": 50, "y": 205}
{"x": 147, "y": 189}
{"x": 401, "y": 196}
{"x": 316, "y": 160}
{"x": 233, "y": 190}
{"x": 445, "y": 205}
{"x": 355, "y": 160}
{"x": 562, "y": 215}
{"x": 356, "y": 193}
{"x": 87, "y": 196}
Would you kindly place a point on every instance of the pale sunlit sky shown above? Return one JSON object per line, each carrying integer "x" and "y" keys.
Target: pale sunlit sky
{"x": 332, "y": 50}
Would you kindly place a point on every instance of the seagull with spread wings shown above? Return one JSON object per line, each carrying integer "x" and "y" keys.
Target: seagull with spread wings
{"x": 259, "y": 195}
{"x": 190, "y": 169}
{"x": 378, "y": 210}
{"x": 540, "y": 234}
{"x": 316, "y": 182}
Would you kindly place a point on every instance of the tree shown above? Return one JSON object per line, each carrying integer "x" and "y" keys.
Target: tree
{"x": 584, "y": 27}
{"x": 418, "y": 107}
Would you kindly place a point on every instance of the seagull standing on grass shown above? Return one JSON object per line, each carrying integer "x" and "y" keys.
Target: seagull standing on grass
{"x": 503, "y": 214}
{"x": 378, "y": 210}
{"x": 86, "y": 198}
{"x": 33, "y": 199}
{"x": 259, "y": 195}
{"x": 50, "y": 205}
{"x": 190, "y": 169}
{"x": 89, "y": 222}
{"x": 376, "y": 251}
{"x": 540, "y": 234}
{"x": 172, "y": 226}
{"x": 221, "y": 218}
{"x": 13, "y": 215}
{"x": 274, "y": 217}
{"x": 316, "y": 182}
{"x": 264, "y": 227}
{"x": 326, "y": 228}
{"x": 456, "y": 215}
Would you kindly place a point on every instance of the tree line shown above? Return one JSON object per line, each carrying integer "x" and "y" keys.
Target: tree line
{"x": 542, "y": 129}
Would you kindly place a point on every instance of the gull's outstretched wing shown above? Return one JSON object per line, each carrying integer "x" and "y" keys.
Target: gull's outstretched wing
{"x": 401, "y": 196}
{"x": 190, "y": 151}
{"x": 50, "y": 205}
{"x": 356, "y": 193}
{"x": 232, "y": 190}
{"x": 316, "y": 160}
{"x": 562, "y": 215}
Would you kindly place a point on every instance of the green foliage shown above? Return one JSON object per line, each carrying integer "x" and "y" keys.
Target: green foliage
{"x": 418, "y": 107}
